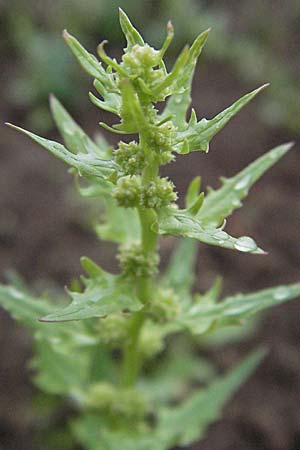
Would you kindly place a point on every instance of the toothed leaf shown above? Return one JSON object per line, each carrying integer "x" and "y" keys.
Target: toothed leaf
{"x": 87, "y": 164}
{"x": 220, "y": 203}
{"x": 179, "y": 223}
{"x": 206, "y": 316}
{"x": 179, "y": 103}
{"x": 76, "y": 140}
{"x": 184, "y": 424}
{"x": 199, "y": 134}
{"x": 104, "y": 294}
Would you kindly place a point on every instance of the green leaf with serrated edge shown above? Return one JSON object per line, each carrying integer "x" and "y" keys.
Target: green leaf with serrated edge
{"x": 179, "y": 274}
{"x": 87, "y": 165}
{"x": 132, "y": 36}
{"x": 56, "y": 370}
{"x": 203, "y": 317}
{"x": 119, "y": 225}
{"x": 27, "y": 308}
{"x": 87, "y": 61}
{"x": 133, "y": 117}
{"x": 199, "y": 134}
{"x": 104, "y": 294}
{"x": 219, "y": 204}
{"x": 179, "y": 223}
{"x": 179, "y": 103}
{"x": 76, "y": 140}
{"x": 184, "y": 424}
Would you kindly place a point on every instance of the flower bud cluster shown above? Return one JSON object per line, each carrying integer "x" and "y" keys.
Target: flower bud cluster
{"x": 161, "y": 140}
{"x": 134, "y": 262}
{"x": 112, "y": 330}
{"x": 165, "y": 306}
{"x": 144, "y": 63}
{"x": 158, "y": 193}
{"x": 127, "y": 191}
{"x": 130, "y": 193}
{"x": 130, "y": 158}
{"x": 141, "y": 57}
{"x": 115, "y": 401}
{"x": 151, "y": 340}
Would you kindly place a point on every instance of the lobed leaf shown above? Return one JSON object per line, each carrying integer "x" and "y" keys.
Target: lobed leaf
{"x": 210, "y": 316}
{"x": 184, "y": 424}
{"x": 199, "y": 134}
{"x": 76, "y": 140}
{"x": 55, "y": 369}
{"x": 104, "y": 294}
{"x": 220, "y": 203}
{"x": 178, "y": 103}
{"x": 87, "y": 164}
{"x": 179, "y": 223}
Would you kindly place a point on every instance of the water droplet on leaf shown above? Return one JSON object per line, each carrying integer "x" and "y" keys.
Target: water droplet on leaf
{"x": 245, "y": 244}
{"x": 221, "y": 235}
{"x": 281, "y": 293}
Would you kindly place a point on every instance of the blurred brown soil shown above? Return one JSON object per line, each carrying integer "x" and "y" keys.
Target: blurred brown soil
{"x": 43, "y": 233}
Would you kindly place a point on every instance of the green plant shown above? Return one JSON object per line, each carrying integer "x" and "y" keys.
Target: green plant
{"x": 107, "y": 351}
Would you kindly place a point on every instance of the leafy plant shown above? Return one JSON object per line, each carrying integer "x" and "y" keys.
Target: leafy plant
{"x": 106, "y": 351}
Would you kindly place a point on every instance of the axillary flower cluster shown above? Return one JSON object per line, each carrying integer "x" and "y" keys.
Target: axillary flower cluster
{"x": 130, "y": 314}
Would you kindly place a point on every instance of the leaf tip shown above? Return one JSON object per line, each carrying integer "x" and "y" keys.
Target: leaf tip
{"x": 288, "y": 146}
{"x": 66, "y": 35}
{"x": 170, "y": 27}
{"x": 261, "y": 88}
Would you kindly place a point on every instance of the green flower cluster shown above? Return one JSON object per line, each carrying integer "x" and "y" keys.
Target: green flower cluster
{"x": 135, "y": 263}
{"x": 130, "y": 192}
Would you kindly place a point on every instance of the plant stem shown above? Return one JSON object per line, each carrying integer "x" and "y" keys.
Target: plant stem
{"x": 132, "y": 357}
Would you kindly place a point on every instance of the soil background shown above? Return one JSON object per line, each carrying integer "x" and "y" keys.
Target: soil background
{"x": 44, "y": 230}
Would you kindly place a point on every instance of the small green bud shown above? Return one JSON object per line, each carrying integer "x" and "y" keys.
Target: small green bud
{"x": 158, "y": 193}
{"x": 134, "y": 262}
{"x": 151, "y": 340}
{"x": 112, "y": 330}
{"x": 141, "y": 57}
{"x": 165, "y": 306}
{"x": 130, "y": 158}
{"x": 127, "y": 191}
